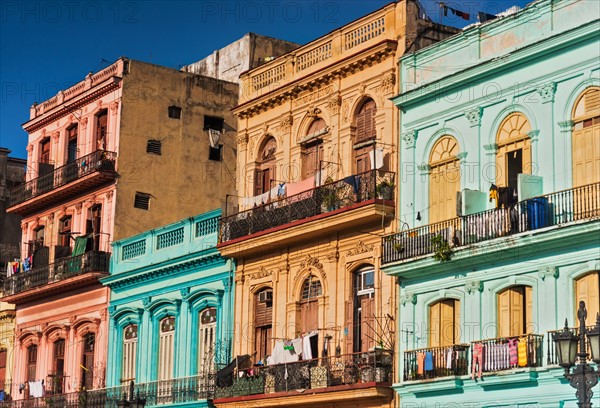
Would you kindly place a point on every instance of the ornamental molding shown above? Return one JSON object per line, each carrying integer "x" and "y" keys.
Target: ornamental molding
{"x": 410, "y": 138}
{"x": 242, "y": 139}
{"x": 333, "y": 105}
{"x": 462, "y": 156}
{"x": 533, "y": 134}
{"x": 491, "y": 149}
{"x": 474, "y": 286}
{"x": 310, "y": 97}
{"x": 310, "y": 261}
{"x": 547, "y": 92}
{"x": 546, "y": 271}
{"x": 408, "y": 297}
{"x": 360, "y": 248}
{"x": 566, "y": 125}
{"x": 262, "y": 273}
{"x": 346, "y": 103}
{"x": 387, "y": 83}
{"x": 285, "y": 124}
{"x": 424, "y": 168}
{"x": 474, "y": 116}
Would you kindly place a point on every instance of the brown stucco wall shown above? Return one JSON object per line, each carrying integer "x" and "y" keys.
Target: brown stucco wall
{"x": 182, "y": 181}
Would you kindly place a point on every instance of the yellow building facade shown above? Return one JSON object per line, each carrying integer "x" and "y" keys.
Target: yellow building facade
{"x": 316, "y": 176}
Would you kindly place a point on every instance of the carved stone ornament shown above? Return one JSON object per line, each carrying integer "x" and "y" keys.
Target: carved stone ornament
{"x": 346, "y": 109}
{"x": 285, "y": 124}
{"x": 387, "y": 83}
{"x": 309, "y": 261}
{"x": 84, "y": 122}
{"x": 533, "y": 134}
{"x": 474, "y": 286}
{"x": 474, "y": 116}
{"x": 262, "y": 273}
{"x": 313, "y": 112}
{"x": 409, "y": 138}
{"x": 242, "y": 139}
{"x": 362, "y": 89}
{"x": 50, "y": 217}
{"x": 546, "y": 271}
{"x": 333, "y": 104}
{"x": 185, "y": 292}
{"x": 408, "y": 297}
{"x": 114, "y": 107}
{"x": 491, "y": 148}
{"x": 360, "y": 248}
{"x": 424, "y": 168}
{"x": 547, "y": 91}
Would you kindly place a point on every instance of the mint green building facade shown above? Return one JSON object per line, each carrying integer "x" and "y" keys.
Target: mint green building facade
{"x": 170, "y": 312}
{"x": 500, "y": 197}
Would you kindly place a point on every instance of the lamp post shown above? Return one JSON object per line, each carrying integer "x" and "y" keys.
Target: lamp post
{"x": 584, "y": 377}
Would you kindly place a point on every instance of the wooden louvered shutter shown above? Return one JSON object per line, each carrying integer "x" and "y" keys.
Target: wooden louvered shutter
{"x": 504, "y": 313}
{"x": 587, "y": 289}
{"x": 349, "y": 322}
{"x": 2, "y": 368}
{"x": 434, "y": 325}
{"x": 258, "y": 182}
{"x": 456, "y": 321}
{"x": 517, "y": 311}
{"x": 446, "y": 331}
{"x": 361, "y": 127}
{"x": 529, "y": 326}
{"x": 367, "y": 324}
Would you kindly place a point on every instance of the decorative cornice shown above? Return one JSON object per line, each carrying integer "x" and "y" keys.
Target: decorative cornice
{"x": 474, "y": 116}
{"x": 545, "y": 271}
{"x": 474, "y": 286}
{"x": 262, "y": 273}
{"x": 410, "y": 138}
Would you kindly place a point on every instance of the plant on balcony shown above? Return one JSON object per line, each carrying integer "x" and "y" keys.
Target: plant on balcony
{"x": 330, "y": 199}
{"x": 441, "y": 248}
{"x": 385, "y": 190}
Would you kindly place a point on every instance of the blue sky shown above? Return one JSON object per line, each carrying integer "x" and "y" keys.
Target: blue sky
{"x": 50, "y": 45}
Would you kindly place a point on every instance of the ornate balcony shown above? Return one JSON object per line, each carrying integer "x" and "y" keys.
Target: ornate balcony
{"x": 551, "y": 210}
{"x": 444, "y": 361}
{"x": 508, "y": 353}
{"x": 278, "y": 385}
{"x": 349, "y": 202}
{"x": 156, "y": 393}
{"x": 68, "y": 272}
{"x": 71, "y": 179}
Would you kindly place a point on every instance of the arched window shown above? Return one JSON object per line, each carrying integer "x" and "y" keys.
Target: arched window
{"x": 58, "y": 366}
{"x": 263, "y": 323}
{"x": 264, "y": 175}
{"x": 206, "y": 340}
{"x": 587, "y": 288}
{"x": 360, "y": 311}
{"x": 166, "y": 343}
{"x": 130, "y": 342}
{"x": 309, "y": 305}
{"x": 72, "y": 143}
{"x": 444, "y": 179}
{"x": 514, "y": 150}
{"x": 586, "y": 138}
{"x": 31, "y": 362}
{"x": 87, "y": 361}
{"x": 515, "y": 311}
{"x": 101, "y": 129}
{"x": 364, "y": 121}
{"x": 312, "y": 148}
{"x": 444, "y": 323}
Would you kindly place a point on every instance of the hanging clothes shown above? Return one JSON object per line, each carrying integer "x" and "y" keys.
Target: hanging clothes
{"x": 428, "y": 361}
{"x": 420, "y": 362}
{"x": 36, "y": 389}
{"x": 300, "y": 186}
{"x": 522, "y": 352}
{"x": 376, "y": 158}
{"x": 306, "y": 346}
{"x": 449, "y": 357}
{"x": 512, "y": 345}
{"x": 478, "y": 351}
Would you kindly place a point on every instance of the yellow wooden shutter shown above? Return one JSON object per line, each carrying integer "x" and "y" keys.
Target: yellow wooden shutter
{"x": 504, "y": 313}
{"x": 517, "y": 309}
{"x": 587, "y": 289}
{"x": 434, "y": 325}
{"x": 456, "y": 321}
{"x": 529, "y": 324}
{"x": 447, "y": 322}
{"x": 586, "y": 155}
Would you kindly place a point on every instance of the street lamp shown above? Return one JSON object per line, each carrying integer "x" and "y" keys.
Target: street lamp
{"x": 137, "y": 403}
{"x": 584, "y": 377}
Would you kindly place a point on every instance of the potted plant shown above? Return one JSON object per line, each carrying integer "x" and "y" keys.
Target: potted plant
{"x": 441, "y": 248}
{"x": 329, "y": 199}
{"x": 385, "y": 190}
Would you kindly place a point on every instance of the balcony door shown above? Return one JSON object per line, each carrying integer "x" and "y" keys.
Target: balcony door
{"x": 93, "y": 227}
{"x": 515, "y": 311}
{"x": 31, "y": 363}
{"x": 586, "y": 138}
{"x": 206, "y": 340}
{"x": 309, "y": 304}
{"x": 444, "y": 179}
{"x": 130, "y": 342}
{"x": 87, "y": 361}
{"x": 101, "y": 132}
{"x": 444, "y": 323}
{"x": 264, "y": 175}
{"x": 312, "y": 152}
{"x": 263, "y": 320}
{"x": 514, "y": 150}
{"x": 58, "y": 367}
{"x": 587, "y": 288}
{"x": 166, "y": 348}
{"x": 360, "y": 311}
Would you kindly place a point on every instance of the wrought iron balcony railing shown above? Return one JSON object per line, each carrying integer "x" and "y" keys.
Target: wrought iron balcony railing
{"x": 100, "y": 160}
{"x": 433, "y": 362}
{"x": 366, "y": 367}
{"x": 506, "y": 353}
{"x": 93, "y": 261}
{"x": 320, "y": 200}
{"x": 165, "y": 392}
{"x": 552, "y": 353}
{"x": 558, "y": 208}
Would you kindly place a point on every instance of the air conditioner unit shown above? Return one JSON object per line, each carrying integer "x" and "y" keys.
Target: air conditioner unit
{"x": 265, "y": 296}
